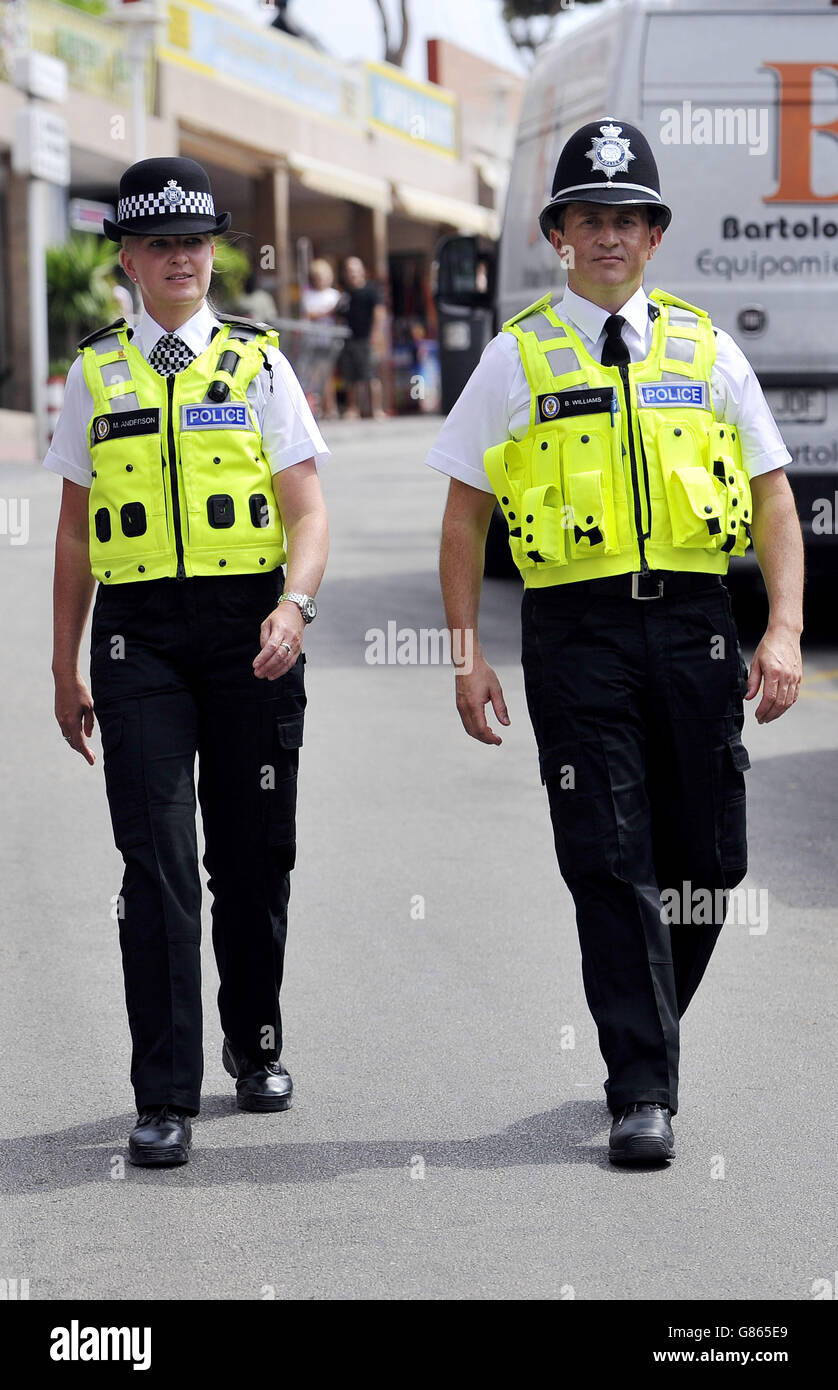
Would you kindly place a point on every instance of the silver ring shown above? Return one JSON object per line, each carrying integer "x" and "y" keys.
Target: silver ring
{"x": 286, "y": 646}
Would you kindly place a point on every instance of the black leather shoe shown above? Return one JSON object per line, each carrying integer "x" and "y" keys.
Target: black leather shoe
{"x": 259, "y": 1085}
{"x": 160, "y": 1138}
{"x": 641, "y": 1133}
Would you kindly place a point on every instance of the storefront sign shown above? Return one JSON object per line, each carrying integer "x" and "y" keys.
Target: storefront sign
{"x": 419, "y": 111}
{"x": 265, "y": 61}
{"x": 41, "y": 145}
{"x": 93, "y": 51}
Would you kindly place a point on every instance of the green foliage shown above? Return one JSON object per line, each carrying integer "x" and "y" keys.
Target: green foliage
{"x": 91, "y": 6}
{"x": 230, "y": 270}
{"x": 521, "y": 16}
{"x": 80, "y": 283}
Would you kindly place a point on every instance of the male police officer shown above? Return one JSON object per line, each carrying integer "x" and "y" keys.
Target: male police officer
{"x": 632, "y": 453}
{"x": 189, "y": 456}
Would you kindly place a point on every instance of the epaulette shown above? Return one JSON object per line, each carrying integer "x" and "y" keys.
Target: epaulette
{"x": 103, "y": 332}
{"x": 541, "y": 303}
{"x": 253, "y": 325}
{"x": 663, "y": 297}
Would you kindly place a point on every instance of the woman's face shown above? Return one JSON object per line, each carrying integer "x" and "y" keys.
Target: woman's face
{"x": 173, "y": 272}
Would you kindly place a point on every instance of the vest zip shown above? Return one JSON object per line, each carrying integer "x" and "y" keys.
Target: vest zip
{"x": 635, "y": 483}
{"x": 181, "y": 571}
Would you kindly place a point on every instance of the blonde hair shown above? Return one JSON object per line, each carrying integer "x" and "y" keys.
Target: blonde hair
{"x": 323, "y": 271}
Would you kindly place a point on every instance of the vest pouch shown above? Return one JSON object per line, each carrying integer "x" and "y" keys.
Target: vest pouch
{"x": 542, "y": 524}
{"x": 696, "y": 503}
{"x": 129, "y": 534}
{"x": 588, "y": 492}
{"x": 726, "y": 462}
{"x": 221, "y": 470}
{"x": 743, "y": 539}
{"x": 506, "y": 470}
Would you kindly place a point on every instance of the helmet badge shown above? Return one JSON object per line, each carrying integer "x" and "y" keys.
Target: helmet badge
{"x": 609, "y": 154}
{"x": 173, "y": 193}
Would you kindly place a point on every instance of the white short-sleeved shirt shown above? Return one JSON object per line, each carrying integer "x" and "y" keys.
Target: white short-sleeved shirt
{"x": 494, "y": 404}
{"x": 289, "y": 431}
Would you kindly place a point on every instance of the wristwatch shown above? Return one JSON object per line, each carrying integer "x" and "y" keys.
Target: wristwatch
{"x": 305, "y": 603}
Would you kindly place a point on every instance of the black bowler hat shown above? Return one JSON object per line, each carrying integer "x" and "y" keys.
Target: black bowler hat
{"x": 165, "y": 197}
{"x": 606, "y": 161}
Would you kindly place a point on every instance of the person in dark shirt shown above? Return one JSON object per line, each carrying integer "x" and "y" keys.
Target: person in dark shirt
{"x": 365, "y": 316}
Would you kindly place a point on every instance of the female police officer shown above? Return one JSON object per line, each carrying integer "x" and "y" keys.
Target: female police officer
{"x": 189, "y": 456}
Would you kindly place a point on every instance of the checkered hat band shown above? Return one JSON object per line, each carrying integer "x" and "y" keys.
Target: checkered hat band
{"x": 149, "y": 204}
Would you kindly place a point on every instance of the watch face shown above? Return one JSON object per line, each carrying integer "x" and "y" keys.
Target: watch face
{"x": 310, "y": 608}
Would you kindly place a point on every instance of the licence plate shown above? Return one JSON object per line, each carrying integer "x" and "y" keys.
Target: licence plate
{"x": 799, "y": 405}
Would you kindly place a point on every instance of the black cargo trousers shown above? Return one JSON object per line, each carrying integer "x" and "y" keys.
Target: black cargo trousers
{"x": 171, "y": 666}
{"x": 637, "y": 711}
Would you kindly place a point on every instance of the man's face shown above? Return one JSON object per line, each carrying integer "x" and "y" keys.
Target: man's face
{"x": 354, "y": 273}
{"x": 609, "y": 249}
{"x": 171, "y": 271}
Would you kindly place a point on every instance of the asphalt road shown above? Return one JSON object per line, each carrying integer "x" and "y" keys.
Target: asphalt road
{"x": 443, "y": 1142}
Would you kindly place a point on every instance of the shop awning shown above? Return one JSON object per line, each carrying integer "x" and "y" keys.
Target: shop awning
{"x": 469, "y": 218}
{"x": 340, "y": 182}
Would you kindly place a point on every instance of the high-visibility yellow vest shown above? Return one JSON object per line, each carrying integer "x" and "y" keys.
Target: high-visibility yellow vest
{"x": 181, "y": 485}
{"x": 622, "y": 468}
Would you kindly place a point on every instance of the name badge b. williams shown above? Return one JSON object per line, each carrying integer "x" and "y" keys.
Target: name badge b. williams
{"x": 211, "y": 416}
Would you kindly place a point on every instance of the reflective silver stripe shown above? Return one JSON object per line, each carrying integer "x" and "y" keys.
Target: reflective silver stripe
{"x": 679, "y": 349}
{"x": 114, "y": 374}
{"x": 562, "y": 361}
{"x": 540, "y": 325}
{"x": 110, "y": 343}
{"x": 684, "y": 318}
{"x": 672, "y": 376}
{"x": 120, "y": 403}
{"x": 654, "y": 196}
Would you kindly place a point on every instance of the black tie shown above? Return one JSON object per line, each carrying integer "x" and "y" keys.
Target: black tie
{"x": 614, "y": 351}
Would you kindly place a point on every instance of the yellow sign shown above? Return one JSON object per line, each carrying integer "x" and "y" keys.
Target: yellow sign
{"x": 93, "y": 51}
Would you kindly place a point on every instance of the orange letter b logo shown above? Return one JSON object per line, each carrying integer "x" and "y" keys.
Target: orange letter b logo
{"x": 796, "y": 99}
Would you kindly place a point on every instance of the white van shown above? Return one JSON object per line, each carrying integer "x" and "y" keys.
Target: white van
{"x": 739, "y": 101}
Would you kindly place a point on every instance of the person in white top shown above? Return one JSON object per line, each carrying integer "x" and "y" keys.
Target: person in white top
{"x": 320, "y": 300}
{"x": 633, "y": 675}
{"x": 188, "y": 659}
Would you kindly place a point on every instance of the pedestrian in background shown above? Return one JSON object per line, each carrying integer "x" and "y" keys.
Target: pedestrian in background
{"x": 196, "y": 642}
{"x": 362, "y": 354}
{"x": 320, "y": 299}
{"x": 632, "y": 451}
{"x": 256, "y": 302}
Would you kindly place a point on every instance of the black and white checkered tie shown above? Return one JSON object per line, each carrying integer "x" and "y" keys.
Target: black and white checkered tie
{"x": 170, "y": 355}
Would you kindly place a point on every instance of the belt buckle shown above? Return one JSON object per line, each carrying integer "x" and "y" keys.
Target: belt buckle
{"x": 635, "y": 586}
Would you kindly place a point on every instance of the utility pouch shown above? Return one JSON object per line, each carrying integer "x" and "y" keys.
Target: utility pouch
{"x": 506, "y": 470}
{"x": 542, "y": 525}
{"x": 726, "y": 463}
{"x": 587, "y": 474}
{"x": 696, "y": 503}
